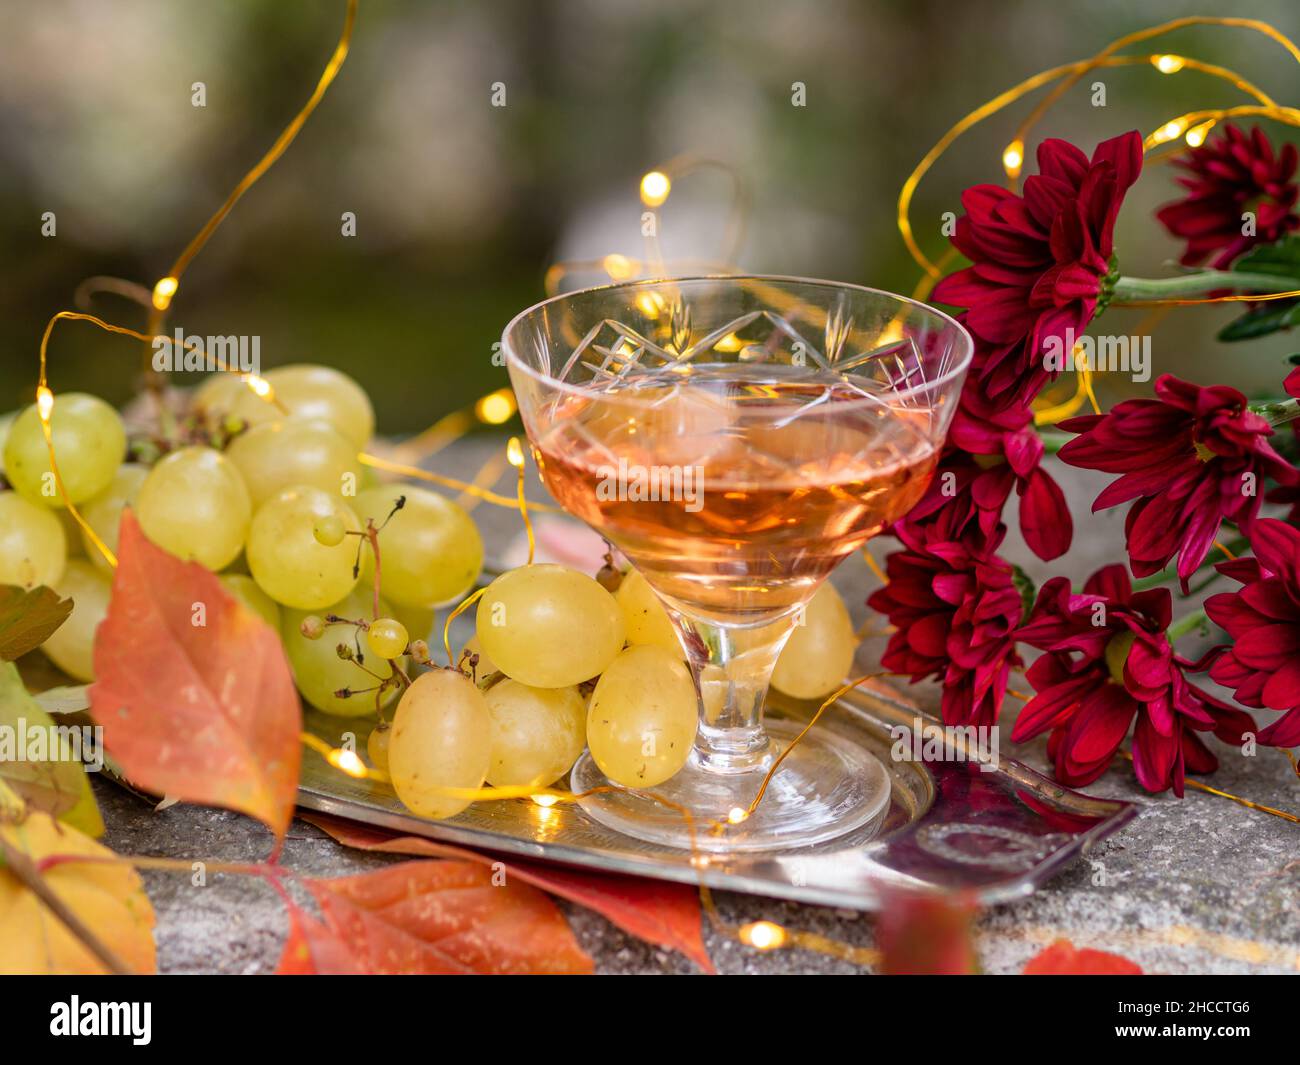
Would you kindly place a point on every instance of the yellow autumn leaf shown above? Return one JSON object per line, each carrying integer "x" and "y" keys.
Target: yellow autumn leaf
{"x": 106, "y": 894}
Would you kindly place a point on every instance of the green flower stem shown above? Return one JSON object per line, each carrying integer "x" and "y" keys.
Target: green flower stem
{"x": 1281, "y": 413}
{"x": 1140, "y": 289}
{"x": 1183, "y": 626}
{"x": 1053, "y": 442}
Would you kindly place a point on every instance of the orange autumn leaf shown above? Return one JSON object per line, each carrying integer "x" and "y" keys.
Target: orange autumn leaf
{"x": 105, "y": 893}
{"x": 444, "y": 917}
{"x": 1062, "y": 958}
{"x": 193, "y": 690}
{"x": 311, "y": 949}
{"x": 667, "y": 915}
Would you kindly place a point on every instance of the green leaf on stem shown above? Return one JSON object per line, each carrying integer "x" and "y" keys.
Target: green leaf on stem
{"x": 1281, "y": 259}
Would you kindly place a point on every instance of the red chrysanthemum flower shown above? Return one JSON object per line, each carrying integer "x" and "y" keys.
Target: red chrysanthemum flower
{"x": 1040, "y": 261}
{"x": 1107, "y": 663}
{"x": 1230, "y": 174}
{"x": 955, "y": 607}
{"x": 1192, "y": 457}
{"x": 1263, "y": 619}
{"x": 1289, "y": 495}
{"x": 992, "y": 449}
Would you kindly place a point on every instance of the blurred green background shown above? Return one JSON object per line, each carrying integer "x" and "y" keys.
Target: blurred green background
{"x": 461, "y": 206}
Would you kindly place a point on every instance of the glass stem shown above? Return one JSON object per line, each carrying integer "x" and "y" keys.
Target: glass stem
{"x": 732, "y": 667}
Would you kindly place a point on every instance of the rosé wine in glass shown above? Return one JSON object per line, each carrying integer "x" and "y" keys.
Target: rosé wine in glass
{"x": 736, "y": 438}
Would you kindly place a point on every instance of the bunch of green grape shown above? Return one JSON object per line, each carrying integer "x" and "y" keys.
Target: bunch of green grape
{"x": 558, "y": 663}
{"x": 273, "y": 500}
{"x": 270, "y": 496}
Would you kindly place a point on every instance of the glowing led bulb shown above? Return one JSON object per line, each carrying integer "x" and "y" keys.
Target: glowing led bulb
{"x": 260, "y": 386}
{"x": 44, "y": 403}
{"x": 515, "y": 453}
{"x": 1196, "y": 135}
{"x": 763, "y": 935}
{"x": 164, "y": 291}
{"x": 737, "y": 815}
{"x": 496, "y": 407}
{"x": 619, "y": 267}
{"x": 348, "y": 761}
{"x": 1169, "y": 131}
{"x": 655, "y": 187}
{"x": 1169, "y": 64}
{"x": 1013, "y": 158}
{"x": 545, "y": 800}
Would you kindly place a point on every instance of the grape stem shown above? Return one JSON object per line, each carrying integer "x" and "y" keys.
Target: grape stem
{"x": 399, "y": 672}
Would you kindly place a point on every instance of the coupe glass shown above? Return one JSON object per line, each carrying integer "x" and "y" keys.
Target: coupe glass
{"x": 736, "y": 438}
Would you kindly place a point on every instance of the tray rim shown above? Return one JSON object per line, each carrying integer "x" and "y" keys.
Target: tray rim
{"x": 878, "y": 703}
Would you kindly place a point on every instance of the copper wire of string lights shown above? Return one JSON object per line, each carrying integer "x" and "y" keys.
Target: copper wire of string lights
{"x": 166, "y": 287}
{"x": 1068, "y": 75}
{"x": 1192, "y": 127}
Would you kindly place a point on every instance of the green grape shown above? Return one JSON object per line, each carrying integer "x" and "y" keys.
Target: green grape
{"x": 330, "y": 530}
{"x": 33, "y": 547}
{"x": 537, "y": 733}
{"x": 441, "y": 738}
{"x": 318, "y": 670}
{"x": 72, "y": 534}
{"x": 387, "y": 637}
{"x": 430, "y": 551}
{"x": 71, "y": 646}
{"x": 218, "y": 393}
{"x": 194, "y": 504}
{"x": 245, "y": 589}
{"x": 104, "y": 512}
{"x": 312, "y": 626}
{"x": 549, "y": 626}
{"x": 377, "y": 745}
{"x": 285, "y": 557}
{"x": 642, "y": 718}
{"x": 295, "y": 451}
{"x": 819, "y": 654}
{"x": 6, "y": 423}
{"x": 89, "y": 445}
{"x": 647, "y": 620}
{"x": 307, "y": 391}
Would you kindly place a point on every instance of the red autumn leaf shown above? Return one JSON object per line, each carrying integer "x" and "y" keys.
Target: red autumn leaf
{"x": 927, "y": 935}
{"x": 204, "y": 713}
{"x": 311, "y": 949}
{"x": 667, "y": 915}
{"x": 1063, "y": 959}
{"x": 447, "y": 917}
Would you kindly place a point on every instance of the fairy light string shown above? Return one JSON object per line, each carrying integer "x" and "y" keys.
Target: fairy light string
{"x": 497, "y": 407}
{"x": 1171, "y": 65}
{"x": 165, "y": 289}
{"x": 515, "y": 456}
{"x": 1193, "y": 127}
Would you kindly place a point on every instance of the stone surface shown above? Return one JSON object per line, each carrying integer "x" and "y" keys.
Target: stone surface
{"x": 1197, "y": 885}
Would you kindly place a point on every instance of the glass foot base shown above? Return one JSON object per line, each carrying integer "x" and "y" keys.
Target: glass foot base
{"x": 827, "y": 787}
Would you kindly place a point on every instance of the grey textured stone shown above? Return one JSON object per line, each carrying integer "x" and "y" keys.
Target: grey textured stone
{"x": 1194, "y": 885}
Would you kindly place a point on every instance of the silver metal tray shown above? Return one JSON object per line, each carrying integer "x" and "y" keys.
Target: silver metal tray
{"x": 954, "y": 824}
